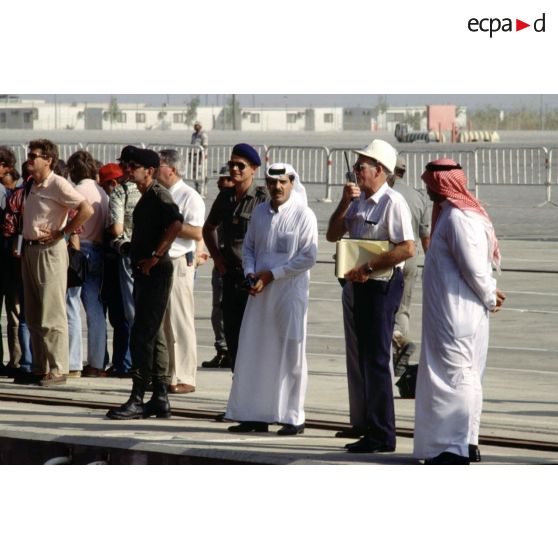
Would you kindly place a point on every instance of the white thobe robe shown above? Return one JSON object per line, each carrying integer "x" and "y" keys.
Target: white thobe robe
{"x": 458, "y": 293}
{"x": 270, "y": 373}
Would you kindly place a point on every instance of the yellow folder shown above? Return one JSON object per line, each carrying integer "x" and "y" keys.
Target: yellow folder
{"x": 352, "y": 252}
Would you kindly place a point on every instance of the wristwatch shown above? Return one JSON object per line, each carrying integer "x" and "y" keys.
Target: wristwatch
{"x": 155, "y": 255}
{"x": 369, "y": 269}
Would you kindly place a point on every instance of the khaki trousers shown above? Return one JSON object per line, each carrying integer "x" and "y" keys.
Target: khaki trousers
{"x": 45, "y": 274}
{"x": 178, "y": 325}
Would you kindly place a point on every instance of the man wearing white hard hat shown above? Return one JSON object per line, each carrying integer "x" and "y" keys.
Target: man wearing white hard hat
{"x": 370, "y": 209}
{"x": 280, "y": 247}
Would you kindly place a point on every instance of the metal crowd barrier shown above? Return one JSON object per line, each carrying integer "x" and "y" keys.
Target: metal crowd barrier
{"x": 417, "y": 161}
{"x": 66, "y": 149}
{"x": 20, "y": 152}
{"x": 552, "y": 174}
{"x": 511, "y": 166}
{"x": 484, "y": 166}
{"x": 108, "y": 152}
{"x": 337, "y": 167}
{"x": 193, "y": 157}
{"x": 311, "y": 162}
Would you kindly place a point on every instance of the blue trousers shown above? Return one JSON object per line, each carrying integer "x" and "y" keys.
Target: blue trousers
{"x": 373, "y": 314}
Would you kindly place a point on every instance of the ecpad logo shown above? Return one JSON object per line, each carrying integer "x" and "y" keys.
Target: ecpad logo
{"x": 494, "y": 24}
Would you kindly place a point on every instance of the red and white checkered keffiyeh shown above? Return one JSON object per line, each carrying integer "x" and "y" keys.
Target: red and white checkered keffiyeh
{"x": 452, "y": 184}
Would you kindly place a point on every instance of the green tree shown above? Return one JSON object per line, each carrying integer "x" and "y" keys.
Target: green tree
{"x": 413, "y": 120}
{"x": 113, "y": 111}
{"x": 231, "y": 113}
{"x": 381, "y": 106}
{"x": 191, "y": 113}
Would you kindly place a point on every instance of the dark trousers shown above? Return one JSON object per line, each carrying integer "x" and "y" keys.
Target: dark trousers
{"x": 10, "y": 289}
{"x": 234, "y": 302}
{"x": 217, "y": 311}
{"x": 112, "y": 298}
{"x": 150, "y": 358}
{"x": 375, "y": 306}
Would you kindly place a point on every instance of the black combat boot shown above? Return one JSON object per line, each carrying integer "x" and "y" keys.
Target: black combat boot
{"x": 133, "y": 408}
{"x": 220, "y": 360}
{"x": 158, "y": 405}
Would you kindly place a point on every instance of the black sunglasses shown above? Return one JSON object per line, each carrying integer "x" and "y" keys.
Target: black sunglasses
{"x": 33, "y": 156}
{"x": 232, "y": 164}
{"x": 133, "y": 166}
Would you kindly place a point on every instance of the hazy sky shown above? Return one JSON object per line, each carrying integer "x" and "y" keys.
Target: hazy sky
{"x": 471, "y": 101}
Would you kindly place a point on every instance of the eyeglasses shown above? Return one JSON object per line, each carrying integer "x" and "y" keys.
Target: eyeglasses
{"x": 359, "y": 167}
{"x": 33, "y": 156}
{"x": 134, "y": 166}
{"x": 233, "y": 164}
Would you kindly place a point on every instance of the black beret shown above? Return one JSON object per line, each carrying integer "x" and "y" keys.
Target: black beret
{"x": 146, "y": 158}
{"x": 247, "y": 152}
{"x": 127, "y": 153}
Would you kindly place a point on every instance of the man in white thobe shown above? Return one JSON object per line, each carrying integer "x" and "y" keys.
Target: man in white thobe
{"x": 280, "y": 247}
{"x": 458, "y": 294}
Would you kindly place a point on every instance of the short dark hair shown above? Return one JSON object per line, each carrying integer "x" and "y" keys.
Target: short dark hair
{"x": 81, "y": 165}
{"x": 61, "y": 168}
{"x": 49, "y": 149}
{"x": 7, "y": 156}
{"x": 25, "y": 172}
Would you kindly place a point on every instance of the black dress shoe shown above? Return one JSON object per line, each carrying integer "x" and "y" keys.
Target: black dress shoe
{"x": 249, "y": 427}
{"x": 474, "y": 454}
{"x": 365, "y": 445}
{"x": 353, "y": 432}
{"x": 447, "y": 458}
{"x": 291, "y": 430}
{"x": 28, "y": 379}
{"x": 220, "y": 360}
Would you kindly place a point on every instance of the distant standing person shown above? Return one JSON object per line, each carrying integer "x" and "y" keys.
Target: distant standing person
{"x": 199, "y": 137}
{"x": 421, "y": 214}
{"x": 458, "y": 294}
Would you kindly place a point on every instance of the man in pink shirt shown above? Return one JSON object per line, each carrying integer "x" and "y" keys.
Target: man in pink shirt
{"x": 45, "y": 260}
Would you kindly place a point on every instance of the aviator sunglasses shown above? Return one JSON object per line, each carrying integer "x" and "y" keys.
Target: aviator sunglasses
{"x": 240, "y": 166}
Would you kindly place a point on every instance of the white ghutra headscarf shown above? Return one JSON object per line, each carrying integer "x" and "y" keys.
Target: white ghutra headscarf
{"x": 282, "y": 169}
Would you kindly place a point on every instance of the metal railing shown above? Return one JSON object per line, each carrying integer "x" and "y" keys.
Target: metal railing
{"x": 107, "y": 152}
{"x": 193, "y": 157}
{"x": 417, "y": 160}
{"x": 320, "y": 165}
{"x": 311, "y": 162}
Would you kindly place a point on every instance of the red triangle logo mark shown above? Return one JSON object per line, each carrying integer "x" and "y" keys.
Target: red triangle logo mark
{"x": 519, "y": 25}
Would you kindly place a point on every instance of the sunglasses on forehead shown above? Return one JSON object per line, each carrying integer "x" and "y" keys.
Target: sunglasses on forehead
{"x": 239, "y": 165}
